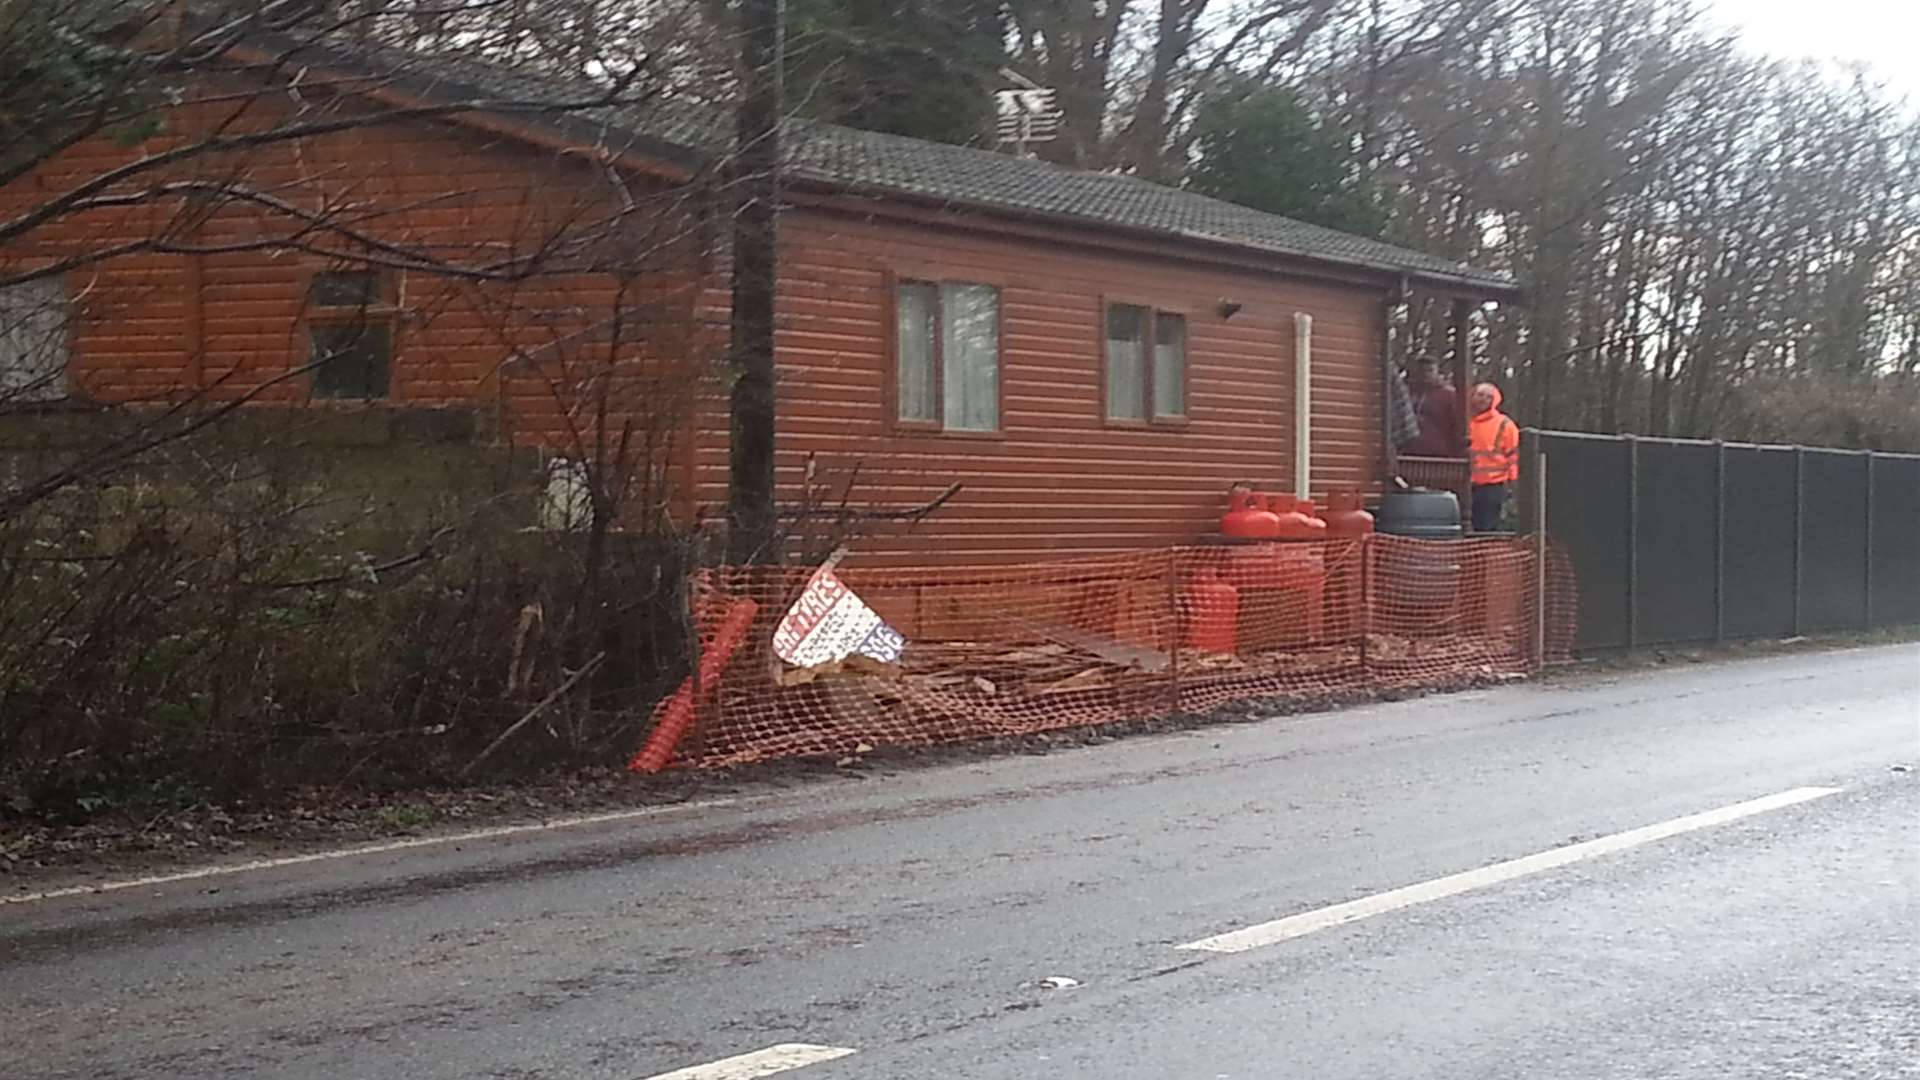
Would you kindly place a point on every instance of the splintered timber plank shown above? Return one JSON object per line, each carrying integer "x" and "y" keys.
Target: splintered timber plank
{"x": 1138, "y": 657}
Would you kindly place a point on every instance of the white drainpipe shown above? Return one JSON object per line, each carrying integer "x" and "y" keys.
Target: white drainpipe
{"x": 1302, "y": 405}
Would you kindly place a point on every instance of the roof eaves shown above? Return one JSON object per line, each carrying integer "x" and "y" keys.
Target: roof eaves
{"x": 1469, "y": 282}
{"x": 1492, "y": 286}
{"x": 431, "y": 83}
{"x": 466, "y": 98}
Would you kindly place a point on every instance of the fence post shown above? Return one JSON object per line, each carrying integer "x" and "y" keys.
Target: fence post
{"x": 1866, "y": 611}
{"x": 1799, "y": 529}
{"x": 1366, "y": 598}
{"x": 1177, "y": 646}
{"x": 1531, "y": 446}
{"x": 1632, "y": 518}
{"x": 1539, "y": 556}
{"x": 1719, "y": 540}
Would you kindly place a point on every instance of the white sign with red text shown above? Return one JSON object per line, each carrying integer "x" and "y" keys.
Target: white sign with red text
{"x": 829, "y": 623}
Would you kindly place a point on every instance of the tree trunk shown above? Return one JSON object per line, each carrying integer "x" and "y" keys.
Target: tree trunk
{"x": 751, "y": 521}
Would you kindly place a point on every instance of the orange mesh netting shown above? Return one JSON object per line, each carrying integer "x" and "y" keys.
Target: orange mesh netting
{"x": 1040, "y": 647}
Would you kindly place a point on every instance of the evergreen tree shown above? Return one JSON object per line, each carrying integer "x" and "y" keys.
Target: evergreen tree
{"x": 64, "y": 74}
{"x": 1261, "y": 147}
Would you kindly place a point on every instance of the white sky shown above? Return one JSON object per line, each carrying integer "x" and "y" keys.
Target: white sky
{"x": 1884, "y": 34}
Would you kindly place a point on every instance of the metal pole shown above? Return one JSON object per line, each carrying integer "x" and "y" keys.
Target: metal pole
{"x": 1389, "y": 453}
{"x": 1719, "y": 540}
{"x": 1366, "y": 597}
{"x": 1799, "y": 529}
{"x": 1539, "y": 556}
{"x": 1462, "y": 332}
{"x": 1173, "y": 606}
{"x": 1532, "y": 446}
{"x": 1633, "y": 542}
{"x": 1866, "y": 613}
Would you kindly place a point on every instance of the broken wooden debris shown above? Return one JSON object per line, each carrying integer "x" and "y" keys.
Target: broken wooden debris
{"x": 1113, "y": 651}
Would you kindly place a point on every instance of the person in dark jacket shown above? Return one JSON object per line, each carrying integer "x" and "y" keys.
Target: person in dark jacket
{"x": 1437, "y": 405}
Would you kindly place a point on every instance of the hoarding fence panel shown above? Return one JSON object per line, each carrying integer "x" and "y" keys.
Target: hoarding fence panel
{"x": 1676, "y": 541}
{"x": 1589, "y": 500}
{"x": 1894, "y": 566}
{"x": 1834, "y": 529}
{"x": 1758, "y": 506}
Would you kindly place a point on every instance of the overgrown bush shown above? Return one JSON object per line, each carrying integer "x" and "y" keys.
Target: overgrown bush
{"x": 1853, "y": 412}
{"x": 259, "y": 607}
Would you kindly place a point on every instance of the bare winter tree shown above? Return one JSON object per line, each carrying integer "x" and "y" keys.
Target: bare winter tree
{"x": 209, "y": 209}
{"x": 1130, "y": 76}
{"x": 1703, "y": 234}
{"x": 140, "y": 133}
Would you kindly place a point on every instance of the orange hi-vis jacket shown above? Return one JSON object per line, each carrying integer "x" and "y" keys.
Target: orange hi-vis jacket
{"x": 1495, "y": 440}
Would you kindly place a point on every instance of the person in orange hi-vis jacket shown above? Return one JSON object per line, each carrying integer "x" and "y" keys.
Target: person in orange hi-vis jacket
{"x": 1495, "y": 441}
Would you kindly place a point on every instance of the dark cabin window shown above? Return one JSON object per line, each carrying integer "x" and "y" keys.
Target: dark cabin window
{"x": 351, "y": 360}
{"x": 350, "y": 329}
{"x": 346, "y": 289}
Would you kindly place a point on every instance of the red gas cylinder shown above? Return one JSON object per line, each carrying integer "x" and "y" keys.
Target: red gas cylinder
{"x": 1345, "y": 516}
{"x": 1255, "y": 566}
{"x": 1212, "y": 609}
{"x": 1282, "y": 595}
{"x": 1306, "y": 507}
{"x": 1246, "y": 518}
{"x": 1297, "y": 521}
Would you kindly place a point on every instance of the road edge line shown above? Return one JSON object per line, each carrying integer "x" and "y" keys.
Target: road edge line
{"x": 380, "y": 848}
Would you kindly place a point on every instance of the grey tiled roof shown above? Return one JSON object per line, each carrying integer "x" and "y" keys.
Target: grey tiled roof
{"x": 872, "y": 162}
{"x": 980, "y": 178}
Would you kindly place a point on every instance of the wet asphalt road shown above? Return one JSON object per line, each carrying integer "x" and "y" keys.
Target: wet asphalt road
{"x": 911, "y": 916}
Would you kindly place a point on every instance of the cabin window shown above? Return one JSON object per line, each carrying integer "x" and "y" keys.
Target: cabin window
{"x": 1146, "y": 353}
{"x": 917, "y": 310}
{"x": 33, "y": 341}
{"x": 1169, "y": 366}
{"x": 567, "y": 503}
{"x": 947, "y": 355}
{"x": 350, "y": 330}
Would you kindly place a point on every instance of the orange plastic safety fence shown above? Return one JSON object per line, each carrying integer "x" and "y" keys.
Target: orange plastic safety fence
{"x": 1066, "y": 644}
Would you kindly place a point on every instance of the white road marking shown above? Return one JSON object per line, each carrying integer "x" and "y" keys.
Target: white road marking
{"x": 366, "y": 849}
{"x": 774, "y": 1059}
{"x": 1307, "y": 922}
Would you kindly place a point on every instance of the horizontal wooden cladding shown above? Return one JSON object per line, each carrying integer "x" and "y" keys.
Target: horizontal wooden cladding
{"x": 1057, "y": 477}
{"x": 237, "y": 321}
{"x": 1173, "y": 504}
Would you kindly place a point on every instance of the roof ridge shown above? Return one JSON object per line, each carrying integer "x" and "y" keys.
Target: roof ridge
{"x": 971, "y": 176}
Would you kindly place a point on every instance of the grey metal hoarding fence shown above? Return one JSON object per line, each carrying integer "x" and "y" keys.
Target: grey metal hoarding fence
{"x": 1676, "y": 540}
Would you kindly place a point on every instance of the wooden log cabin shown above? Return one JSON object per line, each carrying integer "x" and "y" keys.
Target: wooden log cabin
{"x": 1093, "y": 357}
